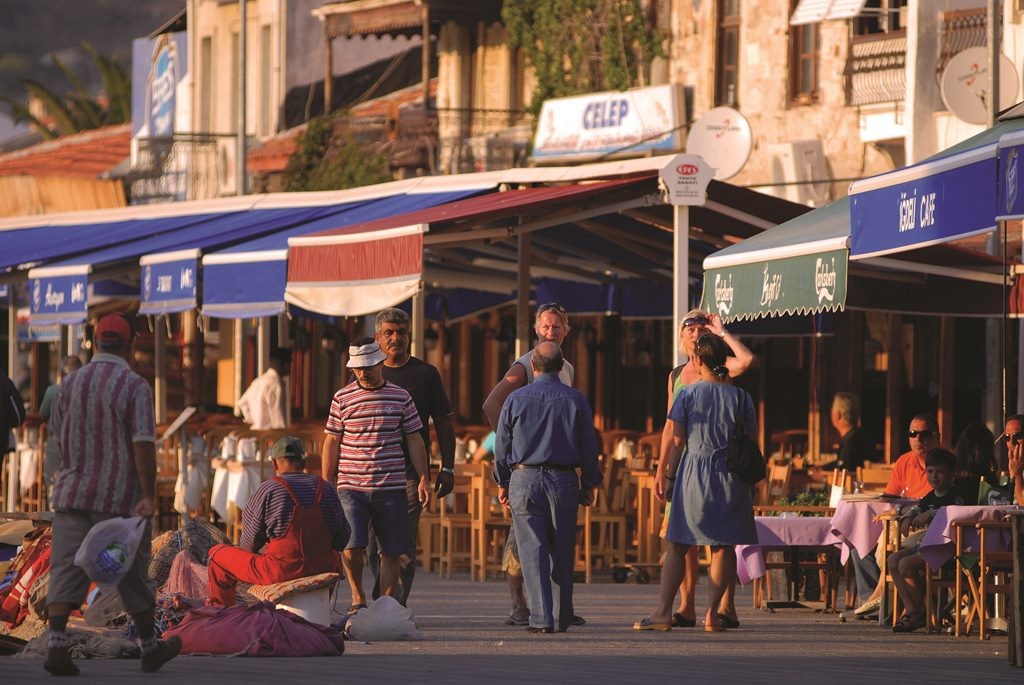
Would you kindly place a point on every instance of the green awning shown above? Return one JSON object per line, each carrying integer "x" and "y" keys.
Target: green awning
{"x": 798, "y": 267}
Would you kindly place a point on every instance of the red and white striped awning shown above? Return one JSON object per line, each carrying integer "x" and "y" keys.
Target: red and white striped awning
{"x": 357, "y": 273}
{"x": 361, "y": 269}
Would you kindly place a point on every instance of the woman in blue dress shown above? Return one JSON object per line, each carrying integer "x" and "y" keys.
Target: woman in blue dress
{"x": 710, "y": 505}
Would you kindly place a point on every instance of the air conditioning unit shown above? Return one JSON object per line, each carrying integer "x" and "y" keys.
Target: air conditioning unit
{"x": 802, "y": 171}
{"x": 227, "y": 152}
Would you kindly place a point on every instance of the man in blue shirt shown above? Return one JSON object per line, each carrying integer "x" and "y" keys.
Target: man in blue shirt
{"x": 545, "y": 432}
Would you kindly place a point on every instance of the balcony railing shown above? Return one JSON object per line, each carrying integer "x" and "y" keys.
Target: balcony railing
{"x": 876, "y": 71}
{"x": 185, "y": 166}
{"x": 960, "y": 30}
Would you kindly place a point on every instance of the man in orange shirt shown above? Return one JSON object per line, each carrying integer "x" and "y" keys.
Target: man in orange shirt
{"x": 909, "y": 479}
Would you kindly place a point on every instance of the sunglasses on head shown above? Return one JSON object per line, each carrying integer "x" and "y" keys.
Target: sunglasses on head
{"x": 696, "y": 321}
{"x": 924, "y": 435}
{"x": 552, "y": 307}
{"x": 1014, "y": 437}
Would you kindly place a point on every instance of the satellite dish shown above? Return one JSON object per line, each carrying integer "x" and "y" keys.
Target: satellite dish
{"x": 722, "y": 137}
{"x": 964, "y": 85}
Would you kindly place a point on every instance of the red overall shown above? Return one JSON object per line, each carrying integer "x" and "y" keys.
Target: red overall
{"x": 303, "y": 550}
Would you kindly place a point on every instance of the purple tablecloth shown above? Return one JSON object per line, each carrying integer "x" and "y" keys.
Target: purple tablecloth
{"x": 854, "y": 524}
{"x": 939, "y": 542}
{"x": 779, "y": 531}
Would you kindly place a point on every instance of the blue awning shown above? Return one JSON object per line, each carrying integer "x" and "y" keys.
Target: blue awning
{"x": 42, "y": 244}
{"x": 170, "y": 280}
{"x": 948, "y": 196}
{"x": 248, "y": 279}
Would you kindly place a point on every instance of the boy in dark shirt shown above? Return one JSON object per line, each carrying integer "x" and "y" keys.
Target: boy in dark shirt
{"x": 906, "y": 564}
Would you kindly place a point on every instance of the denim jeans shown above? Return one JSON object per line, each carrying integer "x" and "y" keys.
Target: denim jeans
{"x": 544, "y": 504}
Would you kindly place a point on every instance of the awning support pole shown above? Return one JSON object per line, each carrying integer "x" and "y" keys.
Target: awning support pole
{"x": 523, "y": 297}
{"x": 680, "y": 274}
{"x": 160, "y": 370}
{"x": 263, "y": 345}
{"x": 418, "y": 302}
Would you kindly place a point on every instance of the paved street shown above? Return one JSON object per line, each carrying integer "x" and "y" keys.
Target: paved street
{"x": 465, "y": 642}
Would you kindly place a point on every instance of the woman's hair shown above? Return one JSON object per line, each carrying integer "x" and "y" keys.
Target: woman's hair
{"x": 712, "y": 351}
{"x": 975, "y": 453}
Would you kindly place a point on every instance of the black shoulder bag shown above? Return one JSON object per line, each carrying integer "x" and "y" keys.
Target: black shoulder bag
{"x": 744, "y": 459}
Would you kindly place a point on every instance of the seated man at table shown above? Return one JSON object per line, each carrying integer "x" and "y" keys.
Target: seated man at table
{"x": 296, "y": 515}
{"x": 855, "y": 445}
{"x": 909, "y": 479}
{"x": 906, "y": 564}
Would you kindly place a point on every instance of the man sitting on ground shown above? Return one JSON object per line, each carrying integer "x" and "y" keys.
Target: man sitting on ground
{"x": 299, "y": 519}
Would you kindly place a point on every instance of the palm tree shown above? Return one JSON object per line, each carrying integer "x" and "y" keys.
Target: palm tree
{"x": 78, "y": 110}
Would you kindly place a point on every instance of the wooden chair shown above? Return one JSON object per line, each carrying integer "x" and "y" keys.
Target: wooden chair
{"x": 776, "y": 485}
{"x": 610, "y": 547}
{"x": 648, "y": 451}
{"x": 891, "y": 539}
{"x": 455, "y": 529}
{"x": 993, "y": 566}
{"x": 491, "y": 523}
{"x": 874, "y": 477}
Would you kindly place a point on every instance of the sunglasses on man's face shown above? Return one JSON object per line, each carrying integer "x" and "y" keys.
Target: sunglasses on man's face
{"x": 696, "y": 321}
{"x": 1012, "y": 437}
{"x": 924, "y": 435}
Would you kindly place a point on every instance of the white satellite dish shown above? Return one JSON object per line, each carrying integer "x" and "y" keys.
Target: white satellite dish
{"x": 722, "y": 137}
{"x": 964, "y": 84}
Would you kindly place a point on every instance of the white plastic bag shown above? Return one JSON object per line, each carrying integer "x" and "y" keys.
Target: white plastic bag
{"x": 385, "y": 619}
{"x": 107, "y": 552}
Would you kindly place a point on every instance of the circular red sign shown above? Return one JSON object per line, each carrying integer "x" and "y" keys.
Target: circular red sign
{"x": 687, "y": 169}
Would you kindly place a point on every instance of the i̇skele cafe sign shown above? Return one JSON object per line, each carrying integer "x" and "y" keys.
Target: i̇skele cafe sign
{"x": 790, "y": 285}
{"x": 630, "y": 123}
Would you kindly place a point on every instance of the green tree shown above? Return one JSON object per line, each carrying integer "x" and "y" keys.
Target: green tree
{"x": 327, "y": 159}
{"x": 79, "y": 110}
{"x": 582, "y": 46}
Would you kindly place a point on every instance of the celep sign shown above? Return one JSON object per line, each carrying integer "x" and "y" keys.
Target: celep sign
{"x": 685, "y": 179}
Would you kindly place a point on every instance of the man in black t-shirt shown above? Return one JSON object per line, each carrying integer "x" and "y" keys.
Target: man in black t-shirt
{"x": 423, "y": 382}
{"x": 855, "y": 445}
{"x": 906, "y": 564}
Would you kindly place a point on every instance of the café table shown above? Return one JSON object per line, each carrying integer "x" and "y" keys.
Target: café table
{"x": 784, "y": 532}
{"x": 938, "y": 545}
{"x": 856, "y": 523}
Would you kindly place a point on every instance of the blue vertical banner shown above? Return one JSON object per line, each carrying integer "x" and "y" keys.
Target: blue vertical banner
{"x": 58, "y": 297}
{"x": 169, "y": 282}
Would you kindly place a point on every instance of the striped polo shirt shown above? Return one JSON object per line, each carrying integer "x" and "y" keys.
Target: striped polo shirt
{"x": 100, "y": 412}
{"x": 370, "y": 425}
{"x": 269, "y": 511}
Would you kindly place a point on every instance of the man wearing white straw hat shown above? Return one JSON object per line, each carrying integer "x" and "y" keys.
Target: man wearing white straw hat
{"x": 369, "y": 421}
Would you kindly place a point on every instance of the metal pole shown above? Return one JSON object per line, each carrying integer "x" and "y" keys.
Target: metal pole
{"x": 680, "y": 274}
{"x": 239, "y": 346}
{"x": 240, "y": 173}
{"x": 994, "y": 330}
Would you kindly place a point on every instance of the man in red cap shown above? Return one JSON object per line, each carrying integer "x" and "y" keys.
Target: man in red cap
{"x": 102, "y": 421}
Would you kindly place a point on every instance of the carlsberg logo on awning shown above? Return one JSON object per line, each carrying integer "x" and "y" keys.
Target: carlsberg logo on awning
{"x": 825, "y": 278}
{"x": 723, "y": 294}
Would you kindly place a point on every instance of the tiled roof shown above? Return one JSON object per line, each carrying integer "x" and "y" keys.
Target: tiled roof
{"x": 81, "y": 155}
{"x": 273, "y": 155}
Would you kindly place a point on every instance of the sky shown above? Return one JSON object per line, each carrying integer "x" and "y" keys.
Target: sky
{"x": 33, "y": 31}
